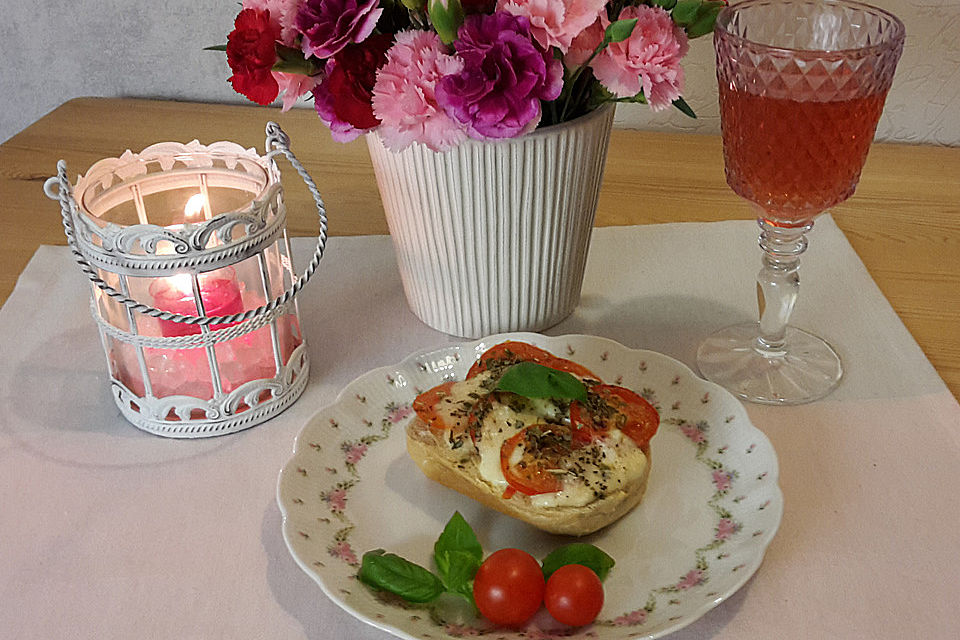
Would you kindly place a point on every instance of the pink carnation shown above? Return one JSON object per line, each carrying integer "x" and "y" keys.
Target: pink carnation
{"x": 586, "y": 43}
{"x": 555, "y": 23}
{"x": 403, "y": 96}
{"x": 648, "y": 60}
{"x": 294, "y": 85}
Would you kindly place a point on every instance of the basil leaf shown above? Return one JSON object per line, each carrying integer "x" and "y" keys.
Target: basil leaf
{"x": 578, "y": 553}
{"x": 461, "y": 567}
{"x": 390, "y": 572}
{"x": 532, "y": 380}
{"x": 458, "y": 536}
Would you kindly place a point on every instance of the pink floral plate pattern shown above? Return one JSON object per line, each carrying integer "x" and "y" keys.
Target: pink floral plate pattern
{"x": 711, "y": 508}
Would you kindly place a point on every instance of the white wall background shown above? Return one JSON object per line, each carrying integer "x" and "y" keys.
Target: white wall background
{"x": 55, "y": 50}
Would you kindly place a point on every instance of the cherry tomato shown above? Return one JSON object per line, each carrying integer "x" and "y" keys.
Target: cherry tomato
{"x": 427, "y": 405}
{"x": 614, "y": 407}
{"x": 543, "y": 447}
{"x": 508, "y": 587}
{"x": 512, "y": 352}
{"x": 574, "y": 595}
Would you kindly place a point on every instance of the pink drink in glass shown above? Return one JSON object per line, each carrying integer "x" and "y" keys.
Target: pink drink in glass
{"x": 796, "y": 158}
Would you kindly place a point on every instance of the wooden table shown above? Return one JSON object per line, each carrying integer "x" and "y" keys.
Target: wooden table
{"x": 904, "y": 220}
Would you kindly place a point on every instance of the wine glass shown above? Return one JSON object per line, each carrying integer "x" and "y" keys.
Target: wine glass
{"x": 802, "y": 85}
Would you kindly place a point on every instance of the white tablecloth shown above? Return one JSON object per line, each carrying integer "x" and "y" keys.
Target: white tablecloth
{"x": 107, "y": 532}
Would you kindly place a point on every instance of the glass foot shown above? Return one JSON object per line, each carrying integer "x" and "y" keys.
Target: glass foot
{"x": 804, "y": 370}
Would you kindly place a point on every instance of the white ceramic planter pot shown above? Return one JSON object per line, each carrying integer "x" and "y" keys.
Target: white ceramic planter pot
{"x": 493, "y": 236}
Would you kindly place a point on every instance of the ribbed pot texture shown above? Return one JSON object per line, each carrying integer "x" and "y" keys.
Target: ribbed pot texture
{"x": 493, "y": 236}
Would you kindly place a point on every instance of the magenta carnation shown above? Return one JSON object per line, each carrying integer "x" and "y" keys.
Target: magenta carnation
{"x": 505, "y": 76}
{"x": 330, "y": 25}
{"x": 649, "y": 59}
{"x": 404, "y": 96}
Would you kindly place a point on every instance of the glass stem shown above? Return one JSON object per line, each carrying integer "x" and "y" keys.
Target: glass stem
{"x": 778, "y": 283}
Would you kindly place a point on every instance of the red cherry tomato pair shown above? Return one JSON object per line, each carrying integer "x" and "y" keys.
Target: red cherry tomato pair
{"x": 509, "y": 589}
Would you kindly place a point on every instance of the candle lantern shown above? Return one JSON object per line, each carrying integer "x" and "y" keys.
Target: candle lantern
{"x": 194, "y": 289}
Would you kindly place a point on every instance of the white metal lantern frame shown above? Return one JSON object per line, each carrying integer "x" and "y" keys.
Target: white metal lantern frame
{"x": 112, "y": 255}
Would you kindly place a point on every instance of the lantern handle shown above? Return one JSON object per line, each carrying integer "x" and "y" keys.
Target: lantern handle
{"x": 59, "y": 188}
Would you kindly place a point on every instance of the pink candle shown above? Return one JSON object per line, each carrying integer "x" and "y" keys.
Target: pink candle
{"x": 220, "y": 296}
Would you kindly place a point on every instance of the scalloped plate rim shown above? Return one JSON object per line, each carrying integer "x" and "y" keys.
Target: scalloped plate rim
{"x": 749, "y": 570}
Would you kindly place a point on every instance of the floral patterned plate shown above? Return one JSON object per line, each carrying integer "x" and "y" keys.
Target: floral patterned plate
{"x": 712, "y": 503}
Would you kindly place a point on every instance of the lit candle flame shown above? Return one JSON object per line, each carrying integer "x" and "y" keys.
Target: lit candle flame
{"x": 195, "y": 205}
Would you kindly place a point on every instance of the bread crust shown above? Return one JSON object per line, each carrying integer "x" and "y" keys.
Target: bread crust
{"x": 463, "y": 477}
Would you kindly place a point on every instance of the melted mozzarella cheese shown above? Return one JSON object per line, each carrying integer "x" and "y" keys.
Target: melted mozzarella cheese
{"x": 600, "y": 469}
{"x": 500, "y": 424}
{"x": 454, "y": 411}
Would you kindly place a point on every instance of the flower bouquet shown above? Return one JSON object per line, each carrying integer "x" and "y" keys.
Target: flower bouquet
{"x": 489, "y": 123}
{"x": 439, "y": 72}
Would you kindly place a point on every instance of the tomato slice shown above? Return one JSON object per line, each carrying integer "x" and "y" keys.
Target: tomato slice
{"x": 642, "y": 419}
{"x": 512, "y": 352}
{"x": 427, "y": 405}
{"x": 537, "y": 469}
{"x": 582, "y": 425}
{"x": 636, "y": 417}
{"x": 610, "y": 407}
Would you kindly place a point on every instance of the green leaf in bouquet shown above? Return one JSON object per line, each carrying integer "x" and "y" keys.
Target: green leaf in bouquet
{"x": 532, "y": 380}
{"x": 682, "y": 105}
{"x": 685, "y": 12}
{"x": 705, "y": 20}
{"x": 665, "y": 4}
{"x": 637, "y": 99}
{"x": 619, "y": 31}
{"x": 216, "y": 47}
{"x": 291, "y": 60}
{"x": 446, "y": 16}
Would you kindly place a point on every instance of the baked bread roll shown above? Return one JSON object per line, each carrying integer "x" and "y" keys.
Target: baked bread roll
{"x": 569, "y": 460}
